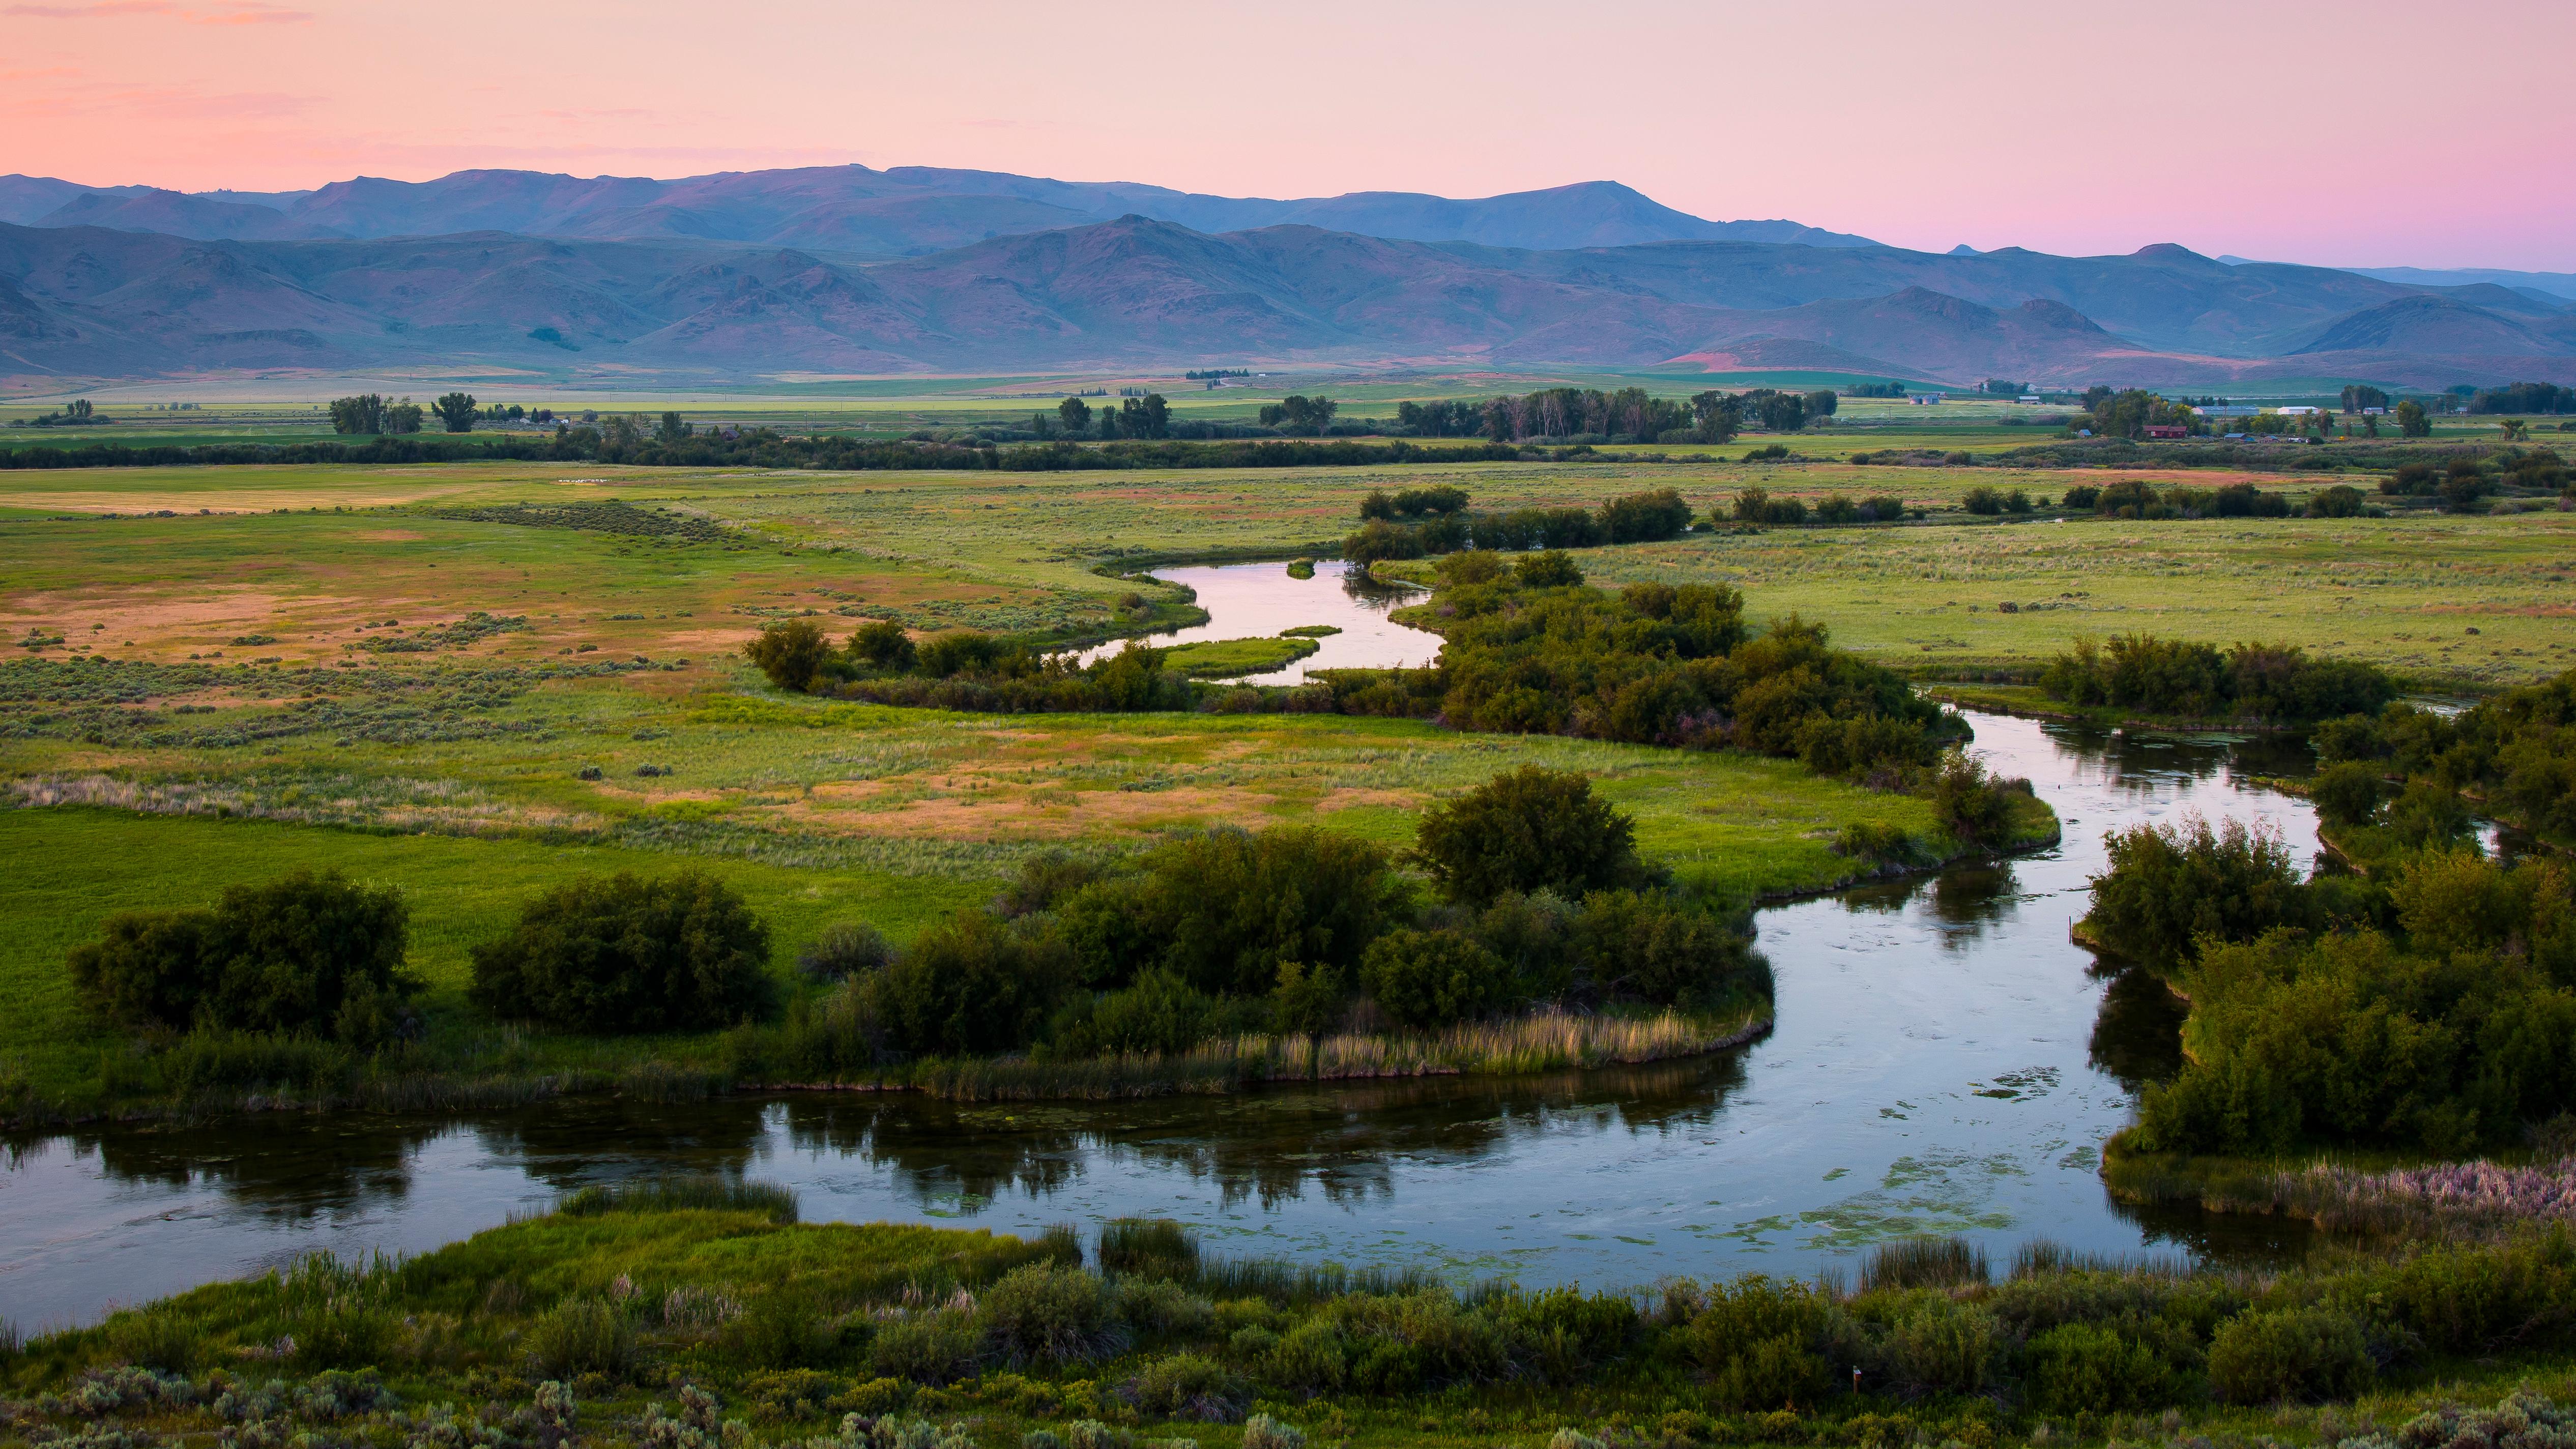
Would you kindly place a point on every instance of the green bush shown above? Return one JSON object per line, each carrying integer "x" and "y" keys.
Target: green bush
{"x": 1161, "y": 1308}
{"x": 293, "y": 955}
{"x": 1224, "y": 908}
{"x": 1943, "y": 1346}
{"x": 624, "y": 953}
{"x": 845, "y": 949}
{"x": 1652, "y": 947}
{"x": 2083, "y": 1368}
{"x": 1186, "y": 1386}
{"x": 1552, "y": 569}
{"x": 932, "y": 1348}
{"x": 2350, "y": 1038}
{"x": 1531, "y": 829}
{"x": 1431, "y": 979}
{"x": 2169, "y": 887}
{"x": 2290, "y": 1355}
{"x": 1042, "y": 1312}
{"x": 1970, "y": 804}
{"x": 1757, "y": 1340}
{"x": 971, "y": 985}
{"x": 1160, "y": 1013}
{"x": 792, "y": 652}
{"x": 579, "y": 1336}
{"x": 2346, "y": 794}
{"x": 782, "y": 1329}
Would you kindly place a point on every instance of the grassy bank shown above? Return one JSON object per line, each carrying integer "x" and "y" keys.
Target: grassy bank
{"x": 640, "y": 1317}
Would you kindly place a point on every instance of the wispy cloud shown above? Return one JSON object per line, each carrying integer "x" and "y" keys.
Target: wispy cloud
{"x": 251, "y": 13}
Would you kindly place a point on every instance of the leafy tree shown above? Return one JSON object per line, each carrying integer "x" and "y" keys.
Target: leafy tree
{"x": 455, "y": 412}
{"x": 971, "y": 985}
{"x": 1645, "y": 517}
{"x": 2412, "y": 420}
{"x": 1716, "y": 416}
{"x": 624, "y": 953}
{"x": 882, "y": 645}
{"x": 1075, "y": 414}
{"x": 1145, "y": 417}
{"x": 403, "y": 417}
{"x": 672, "y": 430}
{"x": 1532, "y": 829}
{"x": 792, "y": 652}
{"x": 364, "y": 413}
{"x": 2357, "y": 396}
{"x": 292, "y": 955}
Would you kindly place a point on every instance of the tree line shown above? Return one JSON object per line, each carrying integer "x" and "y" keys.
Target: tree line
{"x": 1535, "y": 896}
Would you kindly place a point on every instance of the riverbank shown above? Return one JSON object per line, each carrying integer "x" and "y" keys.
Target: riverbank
{"x": 316, "y": 1077}
{"x": 710, "y": 1300}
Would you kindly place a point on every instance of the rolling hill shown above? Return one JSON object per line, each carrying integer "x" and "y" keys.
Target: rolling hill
{"x": 904, "y": 211}
{"x": 1138, "y": 292}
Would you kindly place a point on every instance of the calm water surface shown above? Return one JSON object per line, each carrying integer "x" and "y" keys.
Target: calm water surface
{"x": 1945, "y": 1061}
{"x": 1249, "y": 601}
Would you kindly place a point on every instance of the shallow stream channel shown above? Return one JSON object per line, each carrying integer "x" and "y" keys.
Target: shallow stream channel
{"x": 1946, "y": 1060}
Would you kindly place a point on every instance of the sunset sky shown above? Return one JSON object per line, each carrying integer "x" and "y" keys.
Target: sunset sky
{"x": 2354, "y": 133}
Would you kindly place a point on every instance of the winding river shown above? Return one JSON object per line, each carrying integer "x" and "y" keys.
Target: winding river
{"x": 1945, "y": 1061}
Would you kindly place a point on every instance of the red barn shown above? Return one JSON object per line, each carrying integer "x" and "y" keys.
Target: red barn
{"x": 2167, "y": 430}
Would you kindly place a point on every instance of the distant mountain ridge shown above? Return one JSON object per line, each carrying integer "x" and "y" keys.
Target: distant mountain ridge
{"x": 902, "y": 211}
{"x": 1138, "y": 292}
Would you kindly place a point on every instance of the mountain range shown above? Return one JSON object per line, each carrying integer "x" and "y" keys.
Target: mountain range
{"x": 855, "y": 211}
{"x": 847, "y": 270}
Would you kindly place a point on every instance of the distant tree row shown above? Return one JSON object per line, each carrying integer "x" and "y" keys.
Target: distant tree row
{"x": 1148, "y": 416}
{"x": 2525, "y": 397}
{"x": 2129, "y": 414}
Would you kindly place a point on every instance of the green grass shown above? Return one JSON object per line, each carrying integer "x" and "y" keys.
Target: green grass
{"x": 1233, "y": 658}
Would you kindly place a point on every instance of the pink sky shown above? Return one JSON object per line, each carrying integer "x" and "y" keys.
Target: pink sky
{"x": 2352, "y": 133}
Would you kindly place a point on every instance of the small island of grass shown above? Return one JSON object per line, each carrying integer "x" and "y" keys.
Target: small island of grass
{"x": 1311, "y": 631}
{"x": 1231, "y": 658}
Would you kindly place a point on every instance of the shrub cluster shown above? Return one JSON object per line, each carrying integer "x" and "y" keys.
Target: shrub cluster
{"x": 2430, "y": 1005}
{"x": 2268, "y": 683}
{"x": 1648, "y": 517}
{"x": 1226, "y": 931}
{"x": 2517, "y": 750}
{"x": 624, "y": 953}
{"x": 877, "y": 1322}
{"x": 1531, "y": 651}
{"x": 304, "y": 954}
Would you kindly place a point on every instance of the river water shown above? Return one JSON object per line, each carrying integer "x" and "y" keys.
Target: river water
{"x": 1945, "y": 1061}
{"x": 1251, "y": 601}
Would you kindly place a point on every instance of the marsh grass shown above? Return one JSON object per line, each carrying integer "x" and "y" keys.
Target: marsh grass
{"x": 1547, "y": 1040}
{"x": 1929, "y": 1262}
{"x": 702, "y": 1192}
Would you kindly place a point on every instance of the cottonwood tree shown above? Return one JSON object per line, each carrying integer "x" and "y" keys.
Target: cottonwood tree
{"x": 455, "y": 411}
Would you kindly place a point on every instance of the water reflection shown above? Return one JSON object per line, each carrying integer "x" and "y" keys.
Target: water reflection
{"x": 1248, "y": 601}
{"x": 2137, "y": 1037}
{"x": 1945, "y": 1059}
